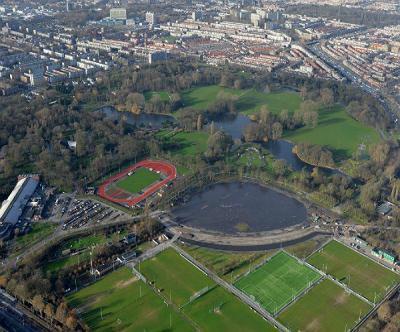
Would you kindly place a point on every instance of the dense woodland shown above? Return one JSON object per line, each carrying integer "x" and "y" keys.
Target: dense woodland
{"x": 34, "y": 133}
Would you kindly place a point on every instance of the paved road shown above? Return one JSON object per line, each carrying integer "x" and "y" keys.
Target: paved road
{"x": 246, "y": 299}
{"x": 60, "y": 234}
{"x": 347, "y": 73}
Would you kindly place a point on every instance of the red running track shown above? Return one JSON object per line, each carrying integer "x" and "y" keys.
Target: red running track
{"x": 167, "y": 169}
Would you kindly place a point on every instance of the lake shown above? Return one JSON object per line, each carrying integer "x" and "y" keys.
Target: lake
{"x": 238, "y": 207}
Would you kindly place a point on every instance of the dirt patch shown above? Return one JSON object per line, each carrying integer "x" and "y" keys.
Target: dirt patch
{"x": 125, "y": 283}
{"x": 314, "y": 325}
{"x": 341, "y": 298}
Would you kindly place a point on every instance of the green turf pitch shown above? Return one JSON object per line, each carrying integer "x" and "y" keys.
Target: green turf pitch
{"x": 175, "y": 276}
{"x": 120, "y": 302}
{"x": 326, "y": 307}
{"x": 360, "y": 273}
{"x": 219, "y": 310}
{"x": 275, "y": 283}
{"x": 138, "y": 181}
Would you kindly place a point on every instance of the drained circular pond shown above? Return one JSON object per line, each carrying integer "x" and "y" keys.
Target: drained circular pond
{"x": 237, "y": 207}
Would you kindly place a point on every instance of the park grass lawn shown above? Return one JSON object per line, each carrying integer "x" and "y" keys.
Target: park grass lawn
{"x": 190, "y": 143}
{"x": 249, "y": 100}
{"x": 219, "y": 310}
{"x": 65, "y": 262}
{"x": 175, "y": 276}
{"x": 164, "y": 95}
{"x": 228, "y": 265}
{"x": 275, "y": 283}
{"x": 140, "y": 179}
{"x": 120, "y": 302}
{"x": 326, "y": 307}
{"x": 40, "y": 230}
{"x": 85, "y": 242}
{"x": 202, "y": 97}
{"x": 359, "y": 273}
{"x": 336, "y": 130}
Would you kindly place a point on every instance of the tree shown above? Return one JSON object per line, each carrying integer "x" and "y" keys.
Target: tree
{"x": 49, "y": 311}
{"x": 61, "y": 312}
{"x": 135, "y": 102}
{"x": 310, "y": 119}
{"x": 218, "y": 144}
{"x": 327, "y": 97}
{"x": 303, "y": 92}
{"x": 71, "y": 322}
{"x": 265, "y": 116}
{"x": 200, "y": 122}
{"x": 284, "y": 117}
{"x": 37, "y": 303}
{"x": 384, "y": 312}
{"x": 251, "y": 132}
{"x": 277, "y": 130}
{"x": 212, "y": 128}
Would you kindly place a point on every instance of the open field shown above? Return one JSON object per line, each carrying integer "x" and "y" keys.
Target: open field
{"x": 249, "y": 100}
{"x": 177, "y": 278}
{"x": 219, "y": 310}
{"x": 120, "y": 302}
{"x": 139, "y": 180}
{"x": 337, "y": 130}
{"x": 275, "y": 283}
{"x": 358, "y": 272}
{"x": 163, "y": 95}
{"x": 326, "y": 307}
{"x": 332, "y": 120}
{"x": 204, "y": 96}
{"x": 190, "y": 144}
{"x": 40, "y": 230}
{"x": 228, "y": 265}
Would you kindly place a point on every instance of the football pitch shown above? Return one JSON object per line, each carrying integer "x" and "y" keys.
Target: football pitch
{"x": 139, "y": 180}
{"x": 275, "y": 283}
{"x": 326, "y": 307}
{"x": 219, "y": 310}
{"x": 359, "y": 273}
{"x": 120, "y": 302}
{"x": 175, "y": 276}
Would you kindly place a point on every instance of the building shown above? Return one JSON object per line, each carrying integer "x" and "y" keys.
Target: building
{"x": 384, "y": 254}
{"x": 196, "y": 16}
{"x": 118, "y": 14}
{"x": 151, "y": 18}
{"x": 12, "y": 208}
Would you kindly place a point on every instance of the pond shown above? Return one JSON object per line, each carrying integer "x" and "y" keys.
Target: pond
{"x": 233, "y": 125}
{"x": 280, "y": 149}
{"x": 237, "y": 207}
{"x": 143, "y": 119}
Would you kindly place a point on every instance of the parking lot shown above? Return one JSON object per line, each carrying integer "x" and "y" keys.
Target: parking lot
{"x": 77, "y": 213}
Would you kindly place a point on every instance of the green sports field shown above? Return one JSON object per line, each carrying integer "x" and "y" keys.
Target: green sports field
{"x": 120, "y": 302}
{"x": 219, "y": 310}
{"x": 139, "y": 180}
{"x": 360, "y": 273}
{"x": 175, "y": 276}
{"x": 326, "y": 307}
{"x": 275, "y": 283}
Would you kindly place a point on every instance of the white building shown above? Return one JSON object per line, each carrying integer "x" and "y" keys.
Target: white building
{"x": 12, "y": 208}
{"x": 118, "y": 14}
